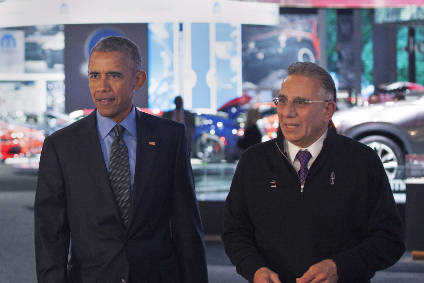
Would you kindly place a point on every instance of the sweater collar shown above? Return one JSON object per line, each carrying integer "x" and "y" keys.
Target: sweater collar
{"x": 331, "y": 133}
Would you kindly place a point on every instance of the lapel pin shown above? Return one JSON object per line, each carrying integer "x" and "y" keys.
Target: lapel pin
{"x": 332, "y": 178}
{"x": 152, "y": 143}
{"x": 272, "y": 184}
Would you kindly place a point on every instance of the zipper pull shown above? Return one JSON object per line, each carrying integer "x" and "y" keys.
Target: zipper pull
{"x": 301, "y": 192}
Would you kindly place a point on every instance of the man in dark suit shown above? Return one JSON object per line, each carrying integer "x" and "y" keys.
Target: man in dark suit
{"x": 182, "y": 116}
{"x": 310, "y": 205}
{"x": 115, "y": 197}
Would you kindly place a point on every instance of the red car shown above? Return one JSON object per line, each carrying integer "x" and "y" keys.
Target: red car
{"x": 19, "y": 141}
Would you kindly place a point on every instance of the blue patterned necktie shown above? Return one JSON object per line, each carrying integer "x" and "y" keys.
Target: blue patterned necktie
{"x": 119, "y": 173}
{"x": 303, "y": 156}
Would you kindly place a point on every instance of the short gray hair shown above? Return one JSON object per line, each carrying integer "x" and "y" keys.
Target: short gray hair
{"x": 119, "y": 44}
{"x": 312, "y": 70}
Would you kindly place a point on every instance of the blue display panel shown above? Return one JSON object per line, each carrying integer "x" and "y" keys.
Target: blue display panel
{"x": 228, "y": 62}
{"x": 200, "y": 52}
{"x": 161, "y": 65}
{"x": 200, "y": 61}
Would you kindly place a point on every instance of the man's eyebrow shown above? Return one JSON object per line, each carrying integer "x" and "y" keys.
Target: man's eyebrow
{"x": 107, "y": 73}
{"x": 297, "y": 97}
{"x": 93, "y": 74}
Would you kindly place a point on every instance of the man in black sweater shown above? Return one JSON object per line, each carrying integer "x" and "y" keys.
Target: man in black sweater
{"x": 310, "y": 205}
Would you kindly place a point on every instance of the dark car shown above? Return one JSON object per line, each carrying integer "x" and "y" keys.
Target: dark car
{"x": 267, "y": 49}
{"x": 392, "y": 129}
{"x": 48, "y": 50}
{"x": 215, "y": 138}
{"x": 34, "y": 52}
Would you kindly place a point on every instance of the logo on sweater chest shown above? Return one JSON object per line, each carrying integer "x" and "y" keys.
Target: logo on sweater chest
{"x": 273, "y": 184}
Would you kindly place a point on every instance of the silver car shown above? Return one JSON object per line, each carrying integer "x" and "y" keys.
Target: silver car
{"x": 392, "y": 129}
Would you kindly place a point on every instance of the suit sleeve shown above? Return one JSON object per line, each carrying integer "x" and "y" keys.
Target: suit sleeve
{"x": 51, "y": 227}
{"x": 186, "y": 227}
{"x": 238, "y": 233}
{"x": 383, "y": 243}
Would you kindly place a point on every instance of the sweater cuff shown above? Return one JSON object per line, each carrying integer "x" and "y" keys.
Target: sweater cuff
{"x": 350, "y": 266}
{"x": 249, "y": 266}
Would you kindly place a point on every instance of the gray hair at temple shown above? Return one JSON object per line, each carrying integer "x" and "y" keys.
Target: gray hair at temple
{"x": 119, "y": 44}
{"x": 312, "y": 70}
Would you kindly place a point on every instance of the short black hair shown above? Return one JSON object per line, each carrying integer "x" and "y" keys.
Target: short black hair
{"x": 312, "y": 70}
{"x": 119, "y": 44}
{"x": 178, "y": 99}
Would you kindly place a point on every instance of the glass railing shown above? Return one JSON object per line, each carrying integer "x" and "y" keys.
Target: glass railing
{"x": 213, "y": 180}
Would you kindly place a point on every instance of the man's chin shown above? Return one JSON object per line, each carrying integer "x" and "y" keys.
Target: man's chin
{"x": 106, "y": 113}
{"x": 290, "y": 136}
{"x": 296, "y": 140}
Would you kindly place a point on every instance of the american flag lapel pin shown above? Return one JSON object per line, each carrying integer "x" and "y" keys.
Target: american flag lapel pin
{"x": 153, "y": 143}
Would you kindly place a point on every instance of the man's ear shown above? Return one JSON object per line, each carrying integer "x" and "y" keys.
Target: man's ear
{"x": 140, "y": 79}
{"x": 330, "y": 108}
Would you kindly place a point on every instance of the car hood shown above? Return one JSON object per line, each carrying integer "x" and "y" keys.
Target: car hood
{"x": 216, "y": 119}
{"x": 389, "y": 112}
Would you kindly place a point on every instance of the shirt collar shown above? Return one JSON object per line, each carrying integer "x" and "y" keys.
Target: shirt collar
{"x": 314, "y": 148}
{"x": 105, "y": 124}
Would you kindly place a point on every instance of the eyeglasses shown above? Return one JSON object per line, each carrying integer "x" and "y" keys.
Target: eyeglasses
{"x": 298, "y": 102}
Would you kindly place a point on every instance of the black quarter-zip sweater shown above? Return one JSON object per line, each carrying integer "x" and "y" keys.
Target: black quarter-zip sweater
{"x": 346, "y": 212}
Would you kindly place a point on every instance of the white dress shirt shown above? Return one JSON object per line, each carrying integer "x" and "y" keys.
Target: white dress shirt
{"x": 314, "y": 149}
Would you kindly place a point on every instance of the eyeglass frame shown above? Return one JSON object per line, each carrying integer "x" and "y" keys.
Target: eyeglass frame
{"x": 305, "y": 101}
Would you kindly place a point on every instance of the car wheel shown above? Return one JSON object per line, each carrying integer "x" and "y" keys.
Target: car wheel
{"x": 306, "y": 54}
{"x": 209, "y": 148}
{"x": 390, "y": 153}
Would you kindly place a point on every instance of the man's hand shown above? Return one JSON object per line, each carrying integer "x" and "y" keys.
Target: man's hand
{"x": 323, "y": 271}
{"x": 265, "y": 275}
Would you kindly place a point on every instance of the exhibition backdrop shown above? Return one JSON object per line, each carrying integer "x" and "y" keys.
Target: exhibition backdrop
{"x": 200, "y": 61}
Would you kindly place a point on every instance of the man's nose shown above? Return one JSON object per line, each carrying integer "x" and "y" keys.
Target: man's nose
{"x": 103, "y": 83}
{"x": 289, "y": 109}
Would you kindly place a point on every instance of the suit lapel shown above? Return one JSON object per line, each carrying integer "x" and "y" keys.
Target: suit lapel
{"x": 92, "y": 155}
{"x": 147, "y": 146}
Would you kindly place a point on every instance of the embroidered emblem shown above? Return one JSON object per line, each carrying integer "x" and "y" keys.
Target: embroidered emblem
{"x": 332, "y": 178}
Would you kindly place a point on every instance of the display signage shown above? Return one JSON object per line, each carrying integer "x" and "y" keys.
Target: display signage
{"x": 345, "y": 3}
{"x": 12, "y": 51}
{"x": 392, "y": 15}
{"x": 200, "y": 61}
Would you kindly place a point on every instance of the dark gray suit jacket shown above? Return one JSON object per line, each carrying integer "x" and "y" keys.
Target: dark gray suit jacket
{"x": 76, "y": 211}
